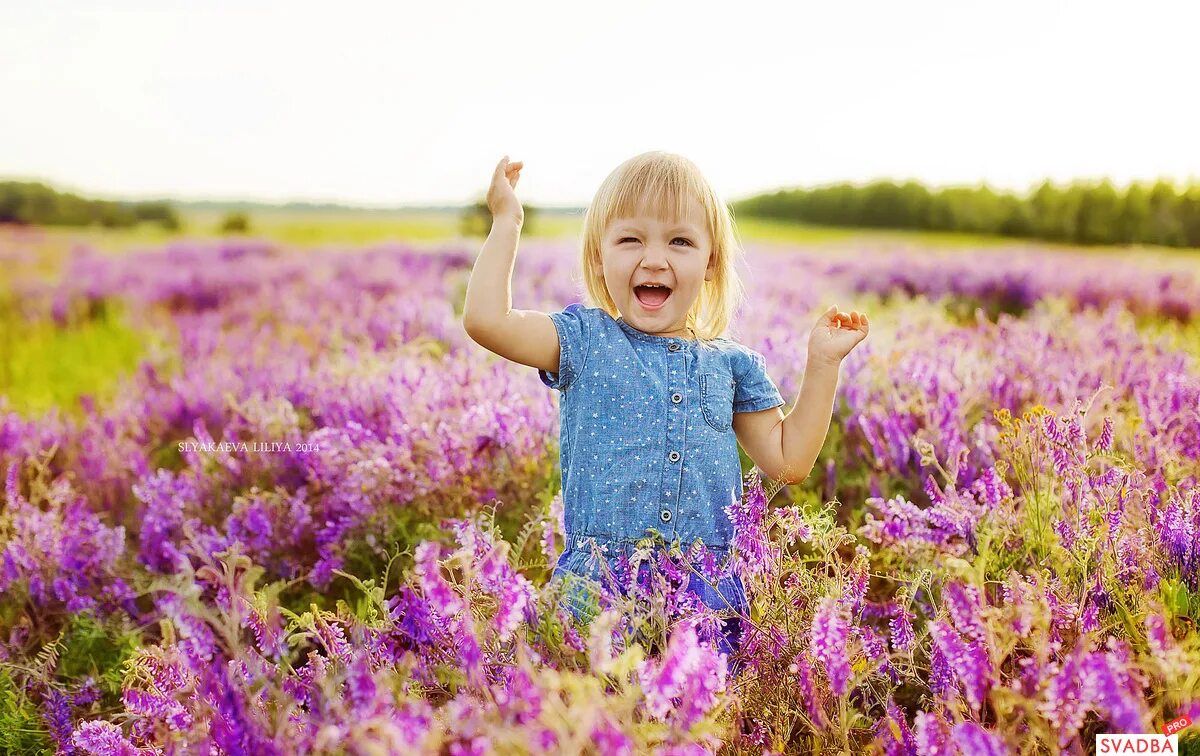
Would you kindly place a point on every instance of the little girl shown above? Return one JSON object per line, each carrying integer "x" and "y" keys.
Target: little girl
{"x": 654, "y": 399}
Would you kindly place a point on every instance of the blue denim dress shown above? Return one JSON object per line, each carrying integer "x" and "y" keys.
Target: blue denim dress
{"x": 646, "y": 440}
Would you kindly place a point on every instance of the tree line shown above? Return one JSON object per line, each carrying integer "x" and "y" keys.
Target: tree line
{"x": 34, "y": 203}
{"x": 1080, "y": 212}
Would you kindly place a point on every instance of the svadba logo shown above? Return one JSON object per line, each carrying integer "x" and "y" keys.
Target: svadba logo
{"x": 1149, "y": 744}
{"x": 1168, "y": 742}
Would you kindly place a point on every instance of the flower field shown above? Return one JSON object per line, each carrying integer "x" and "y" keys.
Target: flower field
{"x": 273, "y": 500}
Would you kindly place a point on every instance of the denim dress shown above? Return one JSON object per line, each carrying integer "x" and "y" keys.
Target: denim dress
{"x": 646, "y": 440}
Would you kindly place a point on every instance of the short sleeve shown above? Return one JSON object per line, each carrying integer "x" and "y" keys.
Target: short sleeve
{"x": 754, "y": 390}
{"x": 573, "y": 339}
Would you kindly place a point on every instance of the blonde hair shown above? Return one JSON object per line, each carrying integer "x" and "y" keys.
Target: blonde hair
{"x": 665, "y": 183}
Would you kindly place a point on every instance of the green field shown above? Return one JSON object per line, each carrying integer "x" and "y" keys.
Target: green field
{"x": 437, "y": 228}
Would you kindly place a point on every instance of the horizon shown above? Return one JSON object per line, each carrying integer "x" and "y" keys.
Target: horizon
{"x": 284, "y": 203}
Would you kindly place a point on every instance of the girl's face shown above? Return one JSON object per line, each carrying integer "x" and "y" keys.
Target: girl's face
{"x": 647, "y": 249}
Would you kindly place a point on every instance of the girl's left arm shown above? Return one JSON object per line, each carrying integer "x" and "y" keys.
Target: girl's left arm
{"x": 806, "y": 426}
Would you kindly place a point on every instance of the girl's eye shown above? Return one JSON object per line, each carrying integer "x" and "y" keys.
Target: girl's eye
{"x": 677, "y": 238}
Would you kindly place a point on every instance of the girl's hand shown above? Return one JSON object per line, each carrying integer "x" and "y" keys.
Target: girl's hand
{"x": 501, "y": 199}
{"x": 835, "y": 334}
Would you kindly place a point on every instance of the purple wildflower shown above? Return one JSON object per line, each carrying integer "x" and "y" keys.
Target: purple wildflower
{"x": 964, "y": 604}
{"x": 519, "y": 699}
{"x": 476, "y": 746}
{"x": 968, "y": 660}
{"x": 102, "y": 739}
{"x": 1090, "y": 621}
{"x": 687, "y": 680}
{"x": 932, "y": 735}
{"x": 808, "y": 692}
{"x": 902, "y": 630}
{"x": 941, "y": 677}
{"x": 755, "y": 553}
{"x": 876, "y": 651}
{"x": 856, "y": 588}
{"x": 1062, "y": 460}
{"x": 610, "y": 740}
{"x": 360, "y": 687}
{"x": 1099, "y": 681}
{"x": 1066, "y": 533}
{"x": 1179, "y": 533}
{"x": 156, "y": 706}
{"x": 828, "y": 641}
{"x": 973, "y": 740}
{"x": 56, "y": 712}
{"x": 1075, "y": 435}
{"x": 1158, "y": 635}
{"x": 1053, "y": 429}
{"x": 990, "y": 488}
{"x": 1104, "y": 443}
{"x": 894, "y": 733}
{"x": 442, "y": 598}
{"x": 1119, "y": 693}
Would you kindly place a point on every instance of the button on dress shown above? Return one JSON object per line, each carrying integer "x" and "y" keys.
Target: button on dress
{"x": 646, "y": 440}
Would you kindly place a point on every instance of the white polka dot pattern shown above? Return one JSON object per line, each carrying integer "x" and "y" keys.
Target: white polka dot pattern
{"x": 646, "y": 437}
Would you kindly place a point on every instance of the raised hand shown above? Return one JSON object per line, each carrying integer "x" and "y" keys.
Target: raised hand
{"x": 501, "y": 199}
{"x": 836, "y": 333}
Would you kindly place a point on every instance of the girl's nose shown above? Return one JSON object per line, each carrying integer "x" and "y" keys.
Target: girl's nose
{"x": 655, "y": 256}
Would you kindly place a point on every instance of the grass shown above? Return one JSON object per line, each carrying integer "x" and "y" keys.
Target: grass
{"x": 44, "y": 365}
{"x": 433, "y": 228}
{"x": 304, "y": 230}
{"x": 785, "y": 232}
{"x": 1175, "y": 336}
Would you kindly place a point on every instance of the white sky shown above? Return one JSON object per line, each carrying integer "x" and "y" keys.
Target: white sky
{"x": 415, "y": 102}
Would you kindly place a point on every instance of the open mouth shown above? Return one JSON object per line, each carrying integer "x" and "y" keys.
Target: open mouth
{"x": 652, "y": 297}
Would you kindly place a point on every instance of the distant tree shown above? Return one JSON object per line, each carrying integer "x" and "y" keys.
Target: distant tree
{"x": 885, "y": 204}
{"x": 1165, "y": 227}
{"x": 1099, "y": 208}
{"x": 161, "y": 213}
{"x": 978, "y": 209}
{"x": 235, "y": 223}
{"x": 835, "y": 205}
{"x": 915, "y": 201}
{"x": 1055, "y": 212}
{"x": 941, "y": 215}
{"x": 1133, "y": 222}
{"x": 956, "y": 209}
{"x": 1018, "y": 217}
{"x": 476, "y": 220}
{"x": 116, "y": 215}
{"x": 880, "y": 206}
{"x": 37, "y": 204}
{"x": 1080, "y": 212}
{"x": 1189, "y": 216}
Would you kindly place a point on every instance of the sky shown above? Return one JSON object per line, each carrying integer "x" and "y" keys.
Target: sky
{"x": 416, "y": 102}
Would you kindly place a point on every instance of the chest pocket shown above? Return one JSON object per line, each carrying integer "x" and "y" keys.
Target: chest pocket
{"x": 716, "y": 400}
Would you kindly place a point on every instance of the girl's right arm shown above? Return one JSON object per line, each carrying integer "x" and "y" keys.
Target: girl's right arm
{"x": 524, "y": 336}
